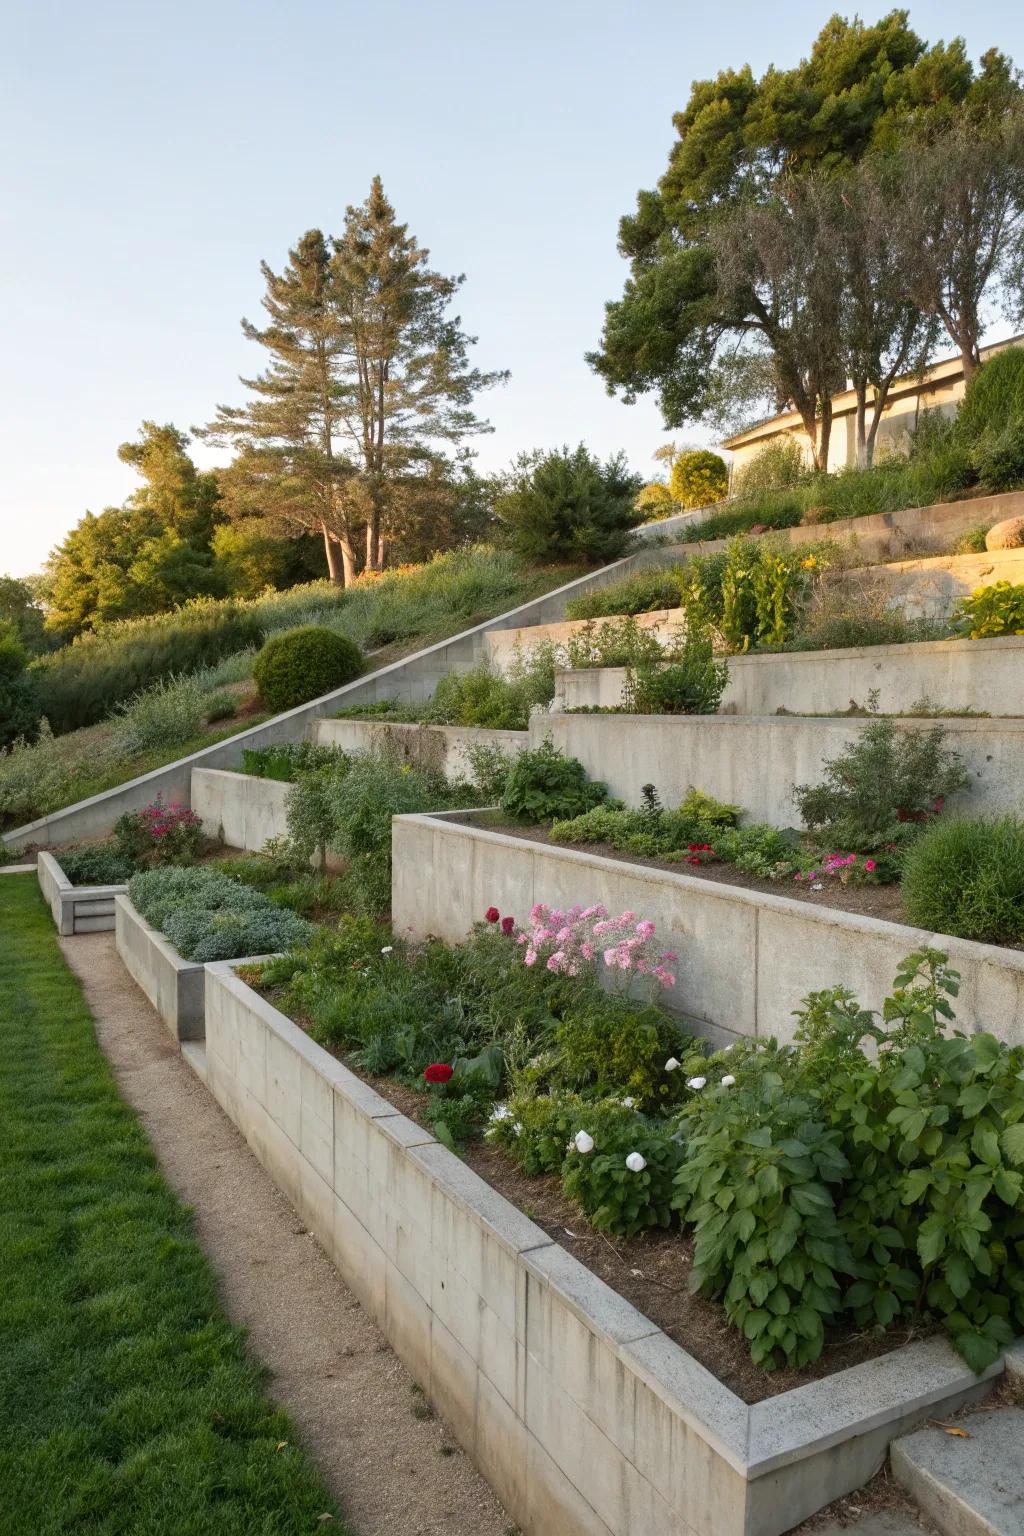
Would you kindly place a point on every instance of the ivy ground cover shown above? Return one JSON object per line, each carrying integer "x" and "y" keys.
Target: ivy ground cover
{"x": 127, "y": 1400}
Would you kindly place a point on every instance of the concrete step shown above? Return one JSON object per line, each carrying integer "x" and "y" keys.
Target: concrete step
{"x": 970, "y": 1485}
{"x": 194, "y": 1052}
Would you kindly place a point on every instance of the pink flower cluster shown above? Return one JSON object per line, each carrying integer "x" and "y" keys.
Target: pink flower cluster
{"x": 159, "y": 820}
{"x": 570, "y": 941}
{"x": 841, "y": 864}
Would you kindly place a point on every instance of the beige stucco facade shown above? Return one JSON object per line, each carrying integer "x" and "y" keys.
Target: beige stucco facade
{"x": 940, "y": 388}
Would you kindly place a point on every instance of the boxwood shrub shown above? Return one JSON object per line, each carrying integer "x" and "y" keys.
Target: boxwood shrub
{"x": 304, "y": 663}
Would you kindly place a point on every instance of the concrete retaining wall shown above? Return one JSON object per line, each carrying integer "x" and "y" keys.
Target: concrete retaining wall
{"x": 174, "y": 986}
{"x": 753, "y": 761}
{"x": 585, "y": 1418}
{"x": 442, "y": 747}
{"x": 240, "y": 809}
{"x": 931, "y": 589}
{"x": 982, "y": 675}
{"x": 412, "y": 680}
{"x": 895, "y": 535}
{"x": 76, "y": 908}
{"x": 503, "y": 644}
{"x": 746, "y": 958}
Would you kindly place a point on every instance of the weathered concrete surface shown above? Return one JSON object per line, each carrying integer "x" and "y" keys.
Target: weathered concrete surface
{"x": 881, "y": 1524}
{"x": 931, "y": 588}
{"x": 503, "y": 645}
{"x": 240, "y": 809}
{"x": 986, "y": 676}
{"x": 584, "y": 1417}
{"x": 971, "y": 1486}
{"x": 396, "y": 1470}
{"x": 746, "y": 959}
{"x": 174, "y": 986}
{"x": 753, "y": 761}
{"x": 75, "y": 908}
{"x": 446, "y": 748}
{"x": 894, "y": 535}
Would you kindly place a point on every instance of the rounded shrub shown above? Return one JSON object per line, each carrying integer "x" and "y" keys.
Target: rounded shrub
{"x": 304, "y": 663}
{"x": 699, "y": 478}
{"x": 966, "y": 878}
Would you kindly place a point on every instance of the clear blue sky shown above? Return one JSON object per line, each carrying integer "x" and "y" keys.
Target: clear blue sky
{"x": 156, "y": 152}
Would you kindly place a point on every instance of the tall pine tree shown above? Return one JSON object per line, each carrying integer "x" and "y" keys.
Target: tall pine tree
{"x": 287, "y": 434}
{"x": 368, "y": 394}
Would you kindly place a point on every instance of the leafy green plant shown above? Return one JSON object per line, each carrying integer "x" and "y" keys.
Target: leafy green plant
{"x": 286, "y": 760}
{"x": 683, "y": 679}
{"x": 96, "y": 866}
{"x": 882, "y": 787}
{"x": 170, "y": 710}
{"x": 159, "y": 833}
{"x": 615, "y": 643}
{"x": 967, "y": 878}
{"x": 303, "y": 664}
{"x": 775, "y": 467}
{"x": 624, "y": 1183}
{"x": 544, "y": 784}
{"x": 207, "y": 915}
{"x": 994, "y": 610}
{"x": 642, "y": 591}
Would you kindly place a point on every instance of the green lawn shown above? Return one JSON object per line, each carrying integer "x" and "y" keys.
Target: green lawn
{"x": 127, "y": 1402}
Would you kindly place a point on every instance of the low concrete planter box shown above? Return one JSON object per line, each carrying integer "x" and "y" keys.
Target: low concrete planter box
{"x": 585, "y": 1418}
{"x": 75, "y": 908}
{"x": 174, "y": 986}
{"x": 240, "y": 809}
{"x": 442, "y": 747}
{"x": 982, "y": 675}
{"x": 746, "y": 958}
{"x": 753, "y": 761}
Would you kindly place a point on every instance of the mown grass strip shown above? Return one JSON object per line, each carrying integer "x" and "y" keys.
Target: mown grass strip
{"x": 127, "y": 1401}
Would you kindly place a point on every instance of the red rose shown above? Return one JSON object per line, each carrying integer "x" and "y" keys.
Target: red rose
{"x": 492, "y": 914}
{"x": 437, "y": 1072}
{"x": 507, "y": 924}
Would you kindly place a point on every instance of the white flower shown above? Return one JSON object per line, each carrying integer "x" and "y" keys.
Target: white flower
{"x": 728, "y": 1080}
{"x": 517, "y": 1129}
{"x": 672, "y": 1064}
{"x": 583, "y": 1141}
{"x": 696, "y": 1082}
{"x": 500, "y": 1112}
{"x": 387, "y": 949}
{"x": 627, "y": 1103}
{"x": 635, "y": 1163}
{"x": 817, "y": 886}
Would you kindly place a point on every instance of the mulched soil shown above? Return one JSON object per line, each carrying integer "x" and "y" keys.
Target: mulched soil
{"x": 870, "y": 900}
{"x": 651, "y": 1271}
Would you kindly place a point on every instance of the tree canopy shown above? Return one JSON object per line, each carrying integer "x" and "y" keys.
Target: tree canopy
{"x": 355, "y": 426}
{"x": 713, "y": 338}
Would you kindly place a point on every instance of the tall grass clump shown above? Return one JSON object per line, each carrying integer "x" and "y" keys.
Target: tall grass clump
{"x": 966, "y": 878}
{"x": 170, "y": 711}
{"x": 81, "y": 683}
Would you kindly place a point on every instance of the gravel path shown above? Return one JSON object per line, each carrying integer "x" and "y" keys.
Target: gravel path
{"x": 394, "y": 1467}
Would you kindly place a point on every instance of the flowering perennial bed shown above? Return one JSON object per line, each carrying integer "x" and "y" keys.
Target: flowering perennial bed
{"x": 818, "y": 1187}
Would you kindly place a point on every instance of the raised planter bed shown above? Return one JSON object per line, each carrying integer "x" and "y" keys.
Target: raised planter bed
{"x": 585, "y": 1417}
{"x": 174, "y": 986}
{"x": 931, "y": 588}
{"x": 986, "y": 676}
{"x": 503, "y": 644}
{"x": 239, "y": 809}
{"x": 754, "y": 760}
{"x": 75, "y": 908}
{"x": 746, "y": 958}
{"x": 442, "y": 747}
